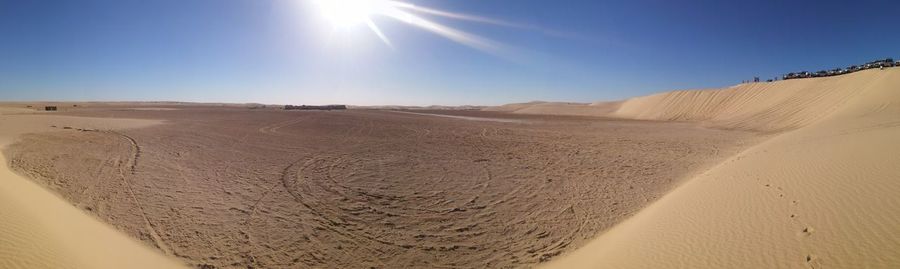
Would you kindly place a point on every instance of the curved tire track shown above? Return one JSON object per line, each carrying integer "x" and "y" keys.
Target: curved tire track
{"x": 132, "y": 164}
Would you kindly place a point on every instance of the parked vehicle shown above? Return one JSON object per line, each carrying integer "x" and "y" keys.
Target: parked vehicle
{"x": 887, "y": 62}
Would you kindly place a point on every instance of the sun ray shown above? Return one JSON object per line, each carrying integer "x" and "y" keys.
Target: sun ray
{"x": 457, "y": 16}
{"x": 378, "y": 32}
{"x": 479, "y": 19}
{"x": 346, "y": 14}
{"x": 458, "y": 36}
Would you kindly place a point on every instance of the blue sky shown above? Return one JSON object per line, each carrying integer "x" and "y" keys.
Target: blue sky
{"x": 285, "y": 51}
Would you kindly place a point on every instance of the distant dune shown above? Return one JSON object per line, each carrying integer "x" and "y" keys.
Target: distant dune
{"x": 823, "y": 193}
{"x": 776, "y": 106}
{"x": 558, "y": 108}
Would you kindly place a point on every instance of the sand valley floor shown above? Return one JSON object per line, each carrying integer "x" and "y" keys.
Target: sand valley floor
{"x": 237, "y": 188}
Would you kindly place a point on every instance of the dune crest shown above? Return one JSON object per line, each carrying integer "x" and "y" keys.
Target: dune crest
{"x": 822, "y": 194}
{"x": 768, "y": 107}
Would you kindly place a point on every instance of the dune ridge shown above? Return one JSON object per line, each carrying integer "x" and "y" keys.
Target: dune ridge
{"x": 777, "y": 106}
{"x": 769, "y": 107}
{"x": 558, "y": 108}
{"x": 820, "y": 194}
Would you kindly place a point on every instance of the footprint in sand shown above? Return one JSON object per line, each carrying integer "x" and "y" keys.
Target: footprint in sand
{"x": 807, "y": 231}
{"x": 812, "y": 261}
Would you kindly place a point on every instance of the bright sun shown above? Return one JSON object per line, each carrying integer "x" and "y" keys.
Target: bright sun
{"x": 346, "y": 13}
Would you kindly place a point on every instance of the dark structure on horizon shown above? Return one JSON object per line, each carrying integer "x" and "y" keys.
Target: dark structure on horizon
{"x": 325, "y": 107}
{"x": 50, "y": 108}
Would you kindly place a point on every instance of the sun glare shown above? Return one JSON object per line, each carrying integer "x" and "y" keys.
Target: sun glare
{"x": 346, "y": 14}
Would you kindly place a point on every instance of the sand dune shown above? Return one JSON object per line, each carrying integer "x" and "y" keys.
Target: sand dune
{"x": 821, "y": 196}
{"x": 777, "y": 106}
{"x": 557, "y": 108}
{"x": 40, "y": 230}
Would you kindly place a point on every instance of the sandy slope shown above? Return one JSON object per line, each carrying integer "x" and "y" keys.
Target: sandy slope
{"x": 556, "y": 108}
{"x": 821, "y": 196}
{"x": 779, "y": 106}
{"x": 40, "y": 230}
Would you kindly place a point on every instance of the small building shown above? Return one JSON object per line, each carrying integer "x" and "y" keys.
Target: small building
{"x": 50, "y": 108}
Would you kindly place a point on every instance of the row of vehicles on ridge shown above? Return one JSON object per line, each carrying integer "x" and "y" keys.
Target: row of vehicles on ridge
{"x": 889, "y": 62}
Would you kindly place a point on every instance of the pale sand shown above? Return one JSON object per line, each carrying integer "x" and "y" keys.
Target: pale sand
{"x": 239, "y": 188}
{"x": 770, "y": 107}
{"x": 16, "y": 110}
{"x": 463, "y": 117}
{"x": 40, "y": 230}
{"x": 154, "y": 108}
{"x": 824, "y": 195}
{"x": 555, "y": 108}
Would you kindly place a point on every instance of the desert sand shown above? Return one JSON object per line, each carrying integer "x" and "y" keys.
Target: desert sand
{"x": 790, "y": 174}
{"x": 238, "y": 188}
{"x": 40, "y": 230}
{"x": 820, "y": 194}
{"x": 556, "y": 108}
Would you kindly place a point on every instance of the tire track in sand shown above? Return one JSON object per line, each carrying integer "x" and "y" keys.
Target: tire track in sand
{"x": 132, "y": 164}
{"x": 272, "y": 129}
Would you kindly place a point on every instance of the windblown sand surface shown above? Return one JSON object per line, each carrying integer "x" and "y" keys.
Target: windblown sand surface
{"x": 231, "y": 188}
{"x": 15, "y": 110}
{"x": 822, "y": 194}
{"x": 555, "y": 108}
{"x": 40, "y": 230}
